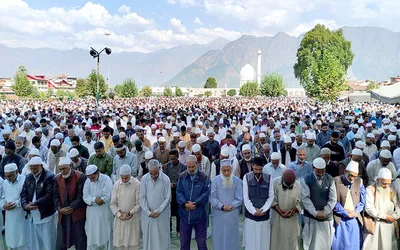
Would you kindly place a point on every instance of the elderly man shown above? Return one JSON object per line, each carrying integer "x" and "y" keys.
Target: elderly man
{"x": 226, "y": 199}
{"x": 183, "y": 152}
{"x": 123, "y": 158}
{"x": 97, "y": 195}
{"x": 350, "y": 203}
{"x": 173, "y": 169}
{"x": 301, "y": 167}
{"x": 123, "y": 140}
{"x": 275, "y": 168}
{"x": 192, "y": 200}
{"x": 285, "y": 231}
{"x": 161, "y": 153}
{"x": 381, "y": 207}
{"x": 202, "y": 161}
{"x": 288, "y": 154}
{"x": 125, "y": 205}
{"x": 78, "y": 163}
{"x": 68, "y": 200}
{"x": 384, "y": 161}
{"x": 102, "y": 160}
{"x": 17, "y": 227}
{"x": 155, "y": 198}
{"x": 356, "y": 155}
{"x": 318, "y": 194}
{"x": 11, "y": 157}
{"x": 139, "y": 150}
{"x": 37, "y": 199}
{"x": 20, "y": 143}
{"x": 55, "y": 153}
{"x": 246, "y": 163}
{"x": 258, "y": 195}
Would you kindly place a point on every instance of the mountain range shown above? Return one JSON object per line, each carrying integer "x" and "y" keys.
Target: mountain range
{"x": 377, "y": 57}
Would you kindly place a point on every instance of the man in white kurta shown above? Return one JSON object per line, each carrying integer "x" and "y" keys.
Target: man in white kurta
{"x": 97, "y": 195}
{"x": 318, "y": 227}
{"x": 226, "y": 199}
{"x": 381, "y": 205}
{"x": 275, "y": 168}
{"x": 155, "y": 198}
{"x": 17, "y": 227}
{"x": 257, "y": 226}
{"x": 125, "y": 205}
{"x": 285, "y": 231}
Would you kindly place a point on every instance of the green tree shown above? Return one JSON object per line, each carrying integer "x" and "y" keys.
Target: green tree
{"x": 231, "y": 92}
{"x": 178, "y": 91}
{"x": 249, "y": 89}
{"x": 127, "y": 89}
{"x": 373, "y": 85}
{"x": 35, "y": 94}
{"x": 322, "y": 62}
{"x": 272, "y": 85}
{"x": 81, "y": 89}
{"x": 3, "y": 97}
{"x": 207, "y": 93}
{"x": 22, "y": 87}
{"x": 49, "y": 93}
{"x": 61, "y": 93}
{"x": 118, "y": 89}
{"x": 91, "y": 85}
{"x": 146, "y": 91}
{"x": 167, "y": 92}
{"x": 211, "y": 83}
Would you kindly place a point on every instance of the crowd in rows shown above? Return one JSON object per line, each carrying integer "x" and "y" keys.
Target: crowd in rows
{"x": 304, "y": 175}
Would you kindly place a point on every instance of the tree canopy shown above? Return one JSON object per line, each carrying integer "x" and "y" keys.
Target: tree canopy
{"x": 322, "y": 62}
{"x": 249, "y": 89}
{"x": 272, "y": 85}
{"x": 178, "y": 91}
{"x": 88, "y": 86}
{"x": 146, "y": 91}
{"x": 231, "y": 92}
{"x": 22, "y": 87}
{"x": 167, "y": 92}
{"x": 127, "y": 89}
{"x": 211, "y": 83}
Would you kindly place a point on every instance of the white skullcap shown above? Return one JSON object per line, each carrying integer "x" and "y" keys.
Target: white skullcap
{"x": 162, "y": 139}
{"x": 357, "y": 136}
{"x": 310, "y": 136}
{"x": 368, "y": 125}
{"x": 34, "y": 151}
{"x": 356, "y": 151}
{"x": 386, "y": 127}
{"x": 181, "y": 144}
{"x": 360, "y": 120}
{"x": 355, "y": 126}
{"x": 275, "y": 156}
{"x": 352, "y": 167}
{"x": 385, "y": 154}
{"x": 197, "y": 131}
{"x": 55, "y": 143}
{"x": 262, "y": 135}
{"x": 6, "y": 132}
{"x": 245, "y": 130}
{"x": 331, "y": 121}
{"x": 225, "y": 152}
{"x": 371, "y": 135}
{"x": 176, "y": 134}
{"x": 64, "y": 161}
{"x": 319, "y": 163}
{"x": 59, "y": 136}
{"x": 385, "y": 144}
{"x": 373, "y": 122}
{"x": 325, "y": 151}
{"x": 246, "y": 147}
{"x": 319, "y": 122}
{"x": 384, "y": 173}
{"x": 393, "y": 129}
{"x": 287, "y": 139}
{"x": 125, "y": 170}
{"x": 73, "y": 152}
{"x": 38, "y": 130}
{"x": 391, "y": 138}
{"x": 360, "y": 144}
{"x": 148, "y": 155}
{"x": 122, "y": 135}
{"x": 91, "y": 169}
{"x": 200, "y": 124}
{"x": 233, "y": 125}
{"x": 35, "y": 161}
{"x": 174, "y": 129}
{"x": 10, "y": 168}
{"x": 200, "y": 140}
{"x": 196, "y": 148}
{"x": 292, "y": 135}
{"x": 225, "y": 162}
{"x": 168, "y": 126}
{"x": 153, "y": 126}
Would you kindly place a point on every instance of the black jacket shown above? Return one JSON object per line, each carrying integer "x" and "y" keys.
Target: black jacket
{"x": 44, "y": 193}
{"x": 292, "y": 154}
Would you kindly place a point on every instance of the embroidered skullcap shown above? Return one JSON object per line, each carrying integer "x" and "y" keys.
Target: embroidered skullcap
{"x": 226, "y": 162}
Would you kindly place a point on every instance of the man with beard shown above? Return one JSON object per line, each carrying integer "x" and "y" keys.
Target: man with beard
{"x": 258, "y": 195}
{"x": 285, "y": 231}
{"x": 344, "y": 141}
{"x": 225, "y": 199}
{"x": 123, "y": 158}
{"x": 347, "y": 212}
{"x": 356, "y": 156}
{"x": 213, "y": 146}
{"x": 312, "y": 150}
{"x": 68, "y": 200}
{"x": 83, "y": 151}
{"x": 183, "y": 152}
{"x": 337, "y": 150}
{"x": 381, "y": 205}
{"x": 288, "y": 153}
{"x": 162, "y": 153}
{"x": 78, "y": 163}
{"x": 265, "y": 154}
{"x": 323, "y": 136}
{"x": 202, "y": 161}
{"x": 370, "y": 147}
{"x": 331, "y": 167}
{"x": 301, "y": 167}
{"x": 20, "y": 143}
{"x": 275, "y": 168}
{"x": 384, "y": 161}
{"x": 144, "y": 169}
{"x": 11, "y": 157}
{"x": 245, "y": 164}
{"x": 55, "y": 154}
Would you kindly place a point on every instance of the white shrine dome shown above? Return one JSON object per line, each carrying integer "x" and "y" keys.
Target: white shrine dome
{"x": 247, "y": 73}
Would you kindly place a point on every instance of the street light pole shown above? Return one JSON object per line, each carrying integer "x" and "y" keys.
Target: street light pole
{"x": 96, "y": 54}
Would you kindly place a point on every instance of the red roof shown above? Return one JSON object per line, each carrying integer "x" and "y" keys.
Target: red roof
{"x": 38, "y": 77}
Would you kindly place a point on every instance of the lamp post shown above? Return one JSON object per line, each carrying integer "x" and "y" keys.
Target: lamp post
{"x": 96, "y": 54}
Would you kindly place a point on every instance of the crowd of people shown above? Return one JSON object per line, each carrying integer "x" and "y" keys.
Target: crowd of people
{"x": 129, "y": 173}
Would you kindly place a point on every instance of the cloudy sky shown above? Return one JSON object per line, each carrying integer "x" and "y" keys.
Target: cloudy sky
{"x": 150, "y": 25}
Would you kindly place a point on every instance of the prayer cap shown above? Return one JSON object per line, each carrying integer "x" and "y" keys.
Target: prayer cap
{"x": 246, "y": 147}
{"x": 352, "y": 167}
{"x": 122, "y": 135}
{"x": 39, "y": 130}
{"x": 35, "y": 161}
{"x": 181, "y": 144}
{"x": 64, "y": 161}
{"x": 393, "y": 129}
{"x": 391, "y": 138}
{"x": 385, "y": 154}
{"x": 262, "y": 135}
{"x": 225, "y": 152}
{"x": 125, "y": 170}
{"x": 325, "y": 151}
{"x": 59, "y": 136}
{"x": 356, "y": 151}
{"x": 10, "y": 168}
{"x": 55, "y": 143}
{"x": 226, "y": 162}
{"x": 6, "y": 132}
{"x": 176, "y": 134}
{"x": 370, "y": 135}
{"x": 288, "y": 139}
{"x": 196, "y": 148}
{"x": 384, "y": 173}
{"x": 91, "y": 169}
{"x": 310, "y": 136}
{"x": 357, "y": 136}
{"x": 200, "y": 140}
{"x": 385, "y": 143}
{"x": 355, "y": 126}
{"x": 73, "y": 152}
{"x": 148, "y": 155}
{"x": 368, "y": 125}
{"x": 34, "y": 151}
{"x": 162, "y": 139}
{"x": 360, "y": 144}
{"x": 319, "y": 163}
{"x": 292, "y": 135}
{"x": 245, "y": 130}
{"x": 275, "y": 156}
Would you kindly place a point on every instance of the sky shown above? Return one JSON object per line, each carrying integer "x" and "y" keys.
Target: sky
{"x": 150, "y": 25}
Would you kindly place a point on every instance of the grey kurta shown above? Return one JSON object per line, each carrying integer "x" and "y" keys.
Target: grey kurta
{"x": 155, "y": 195}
